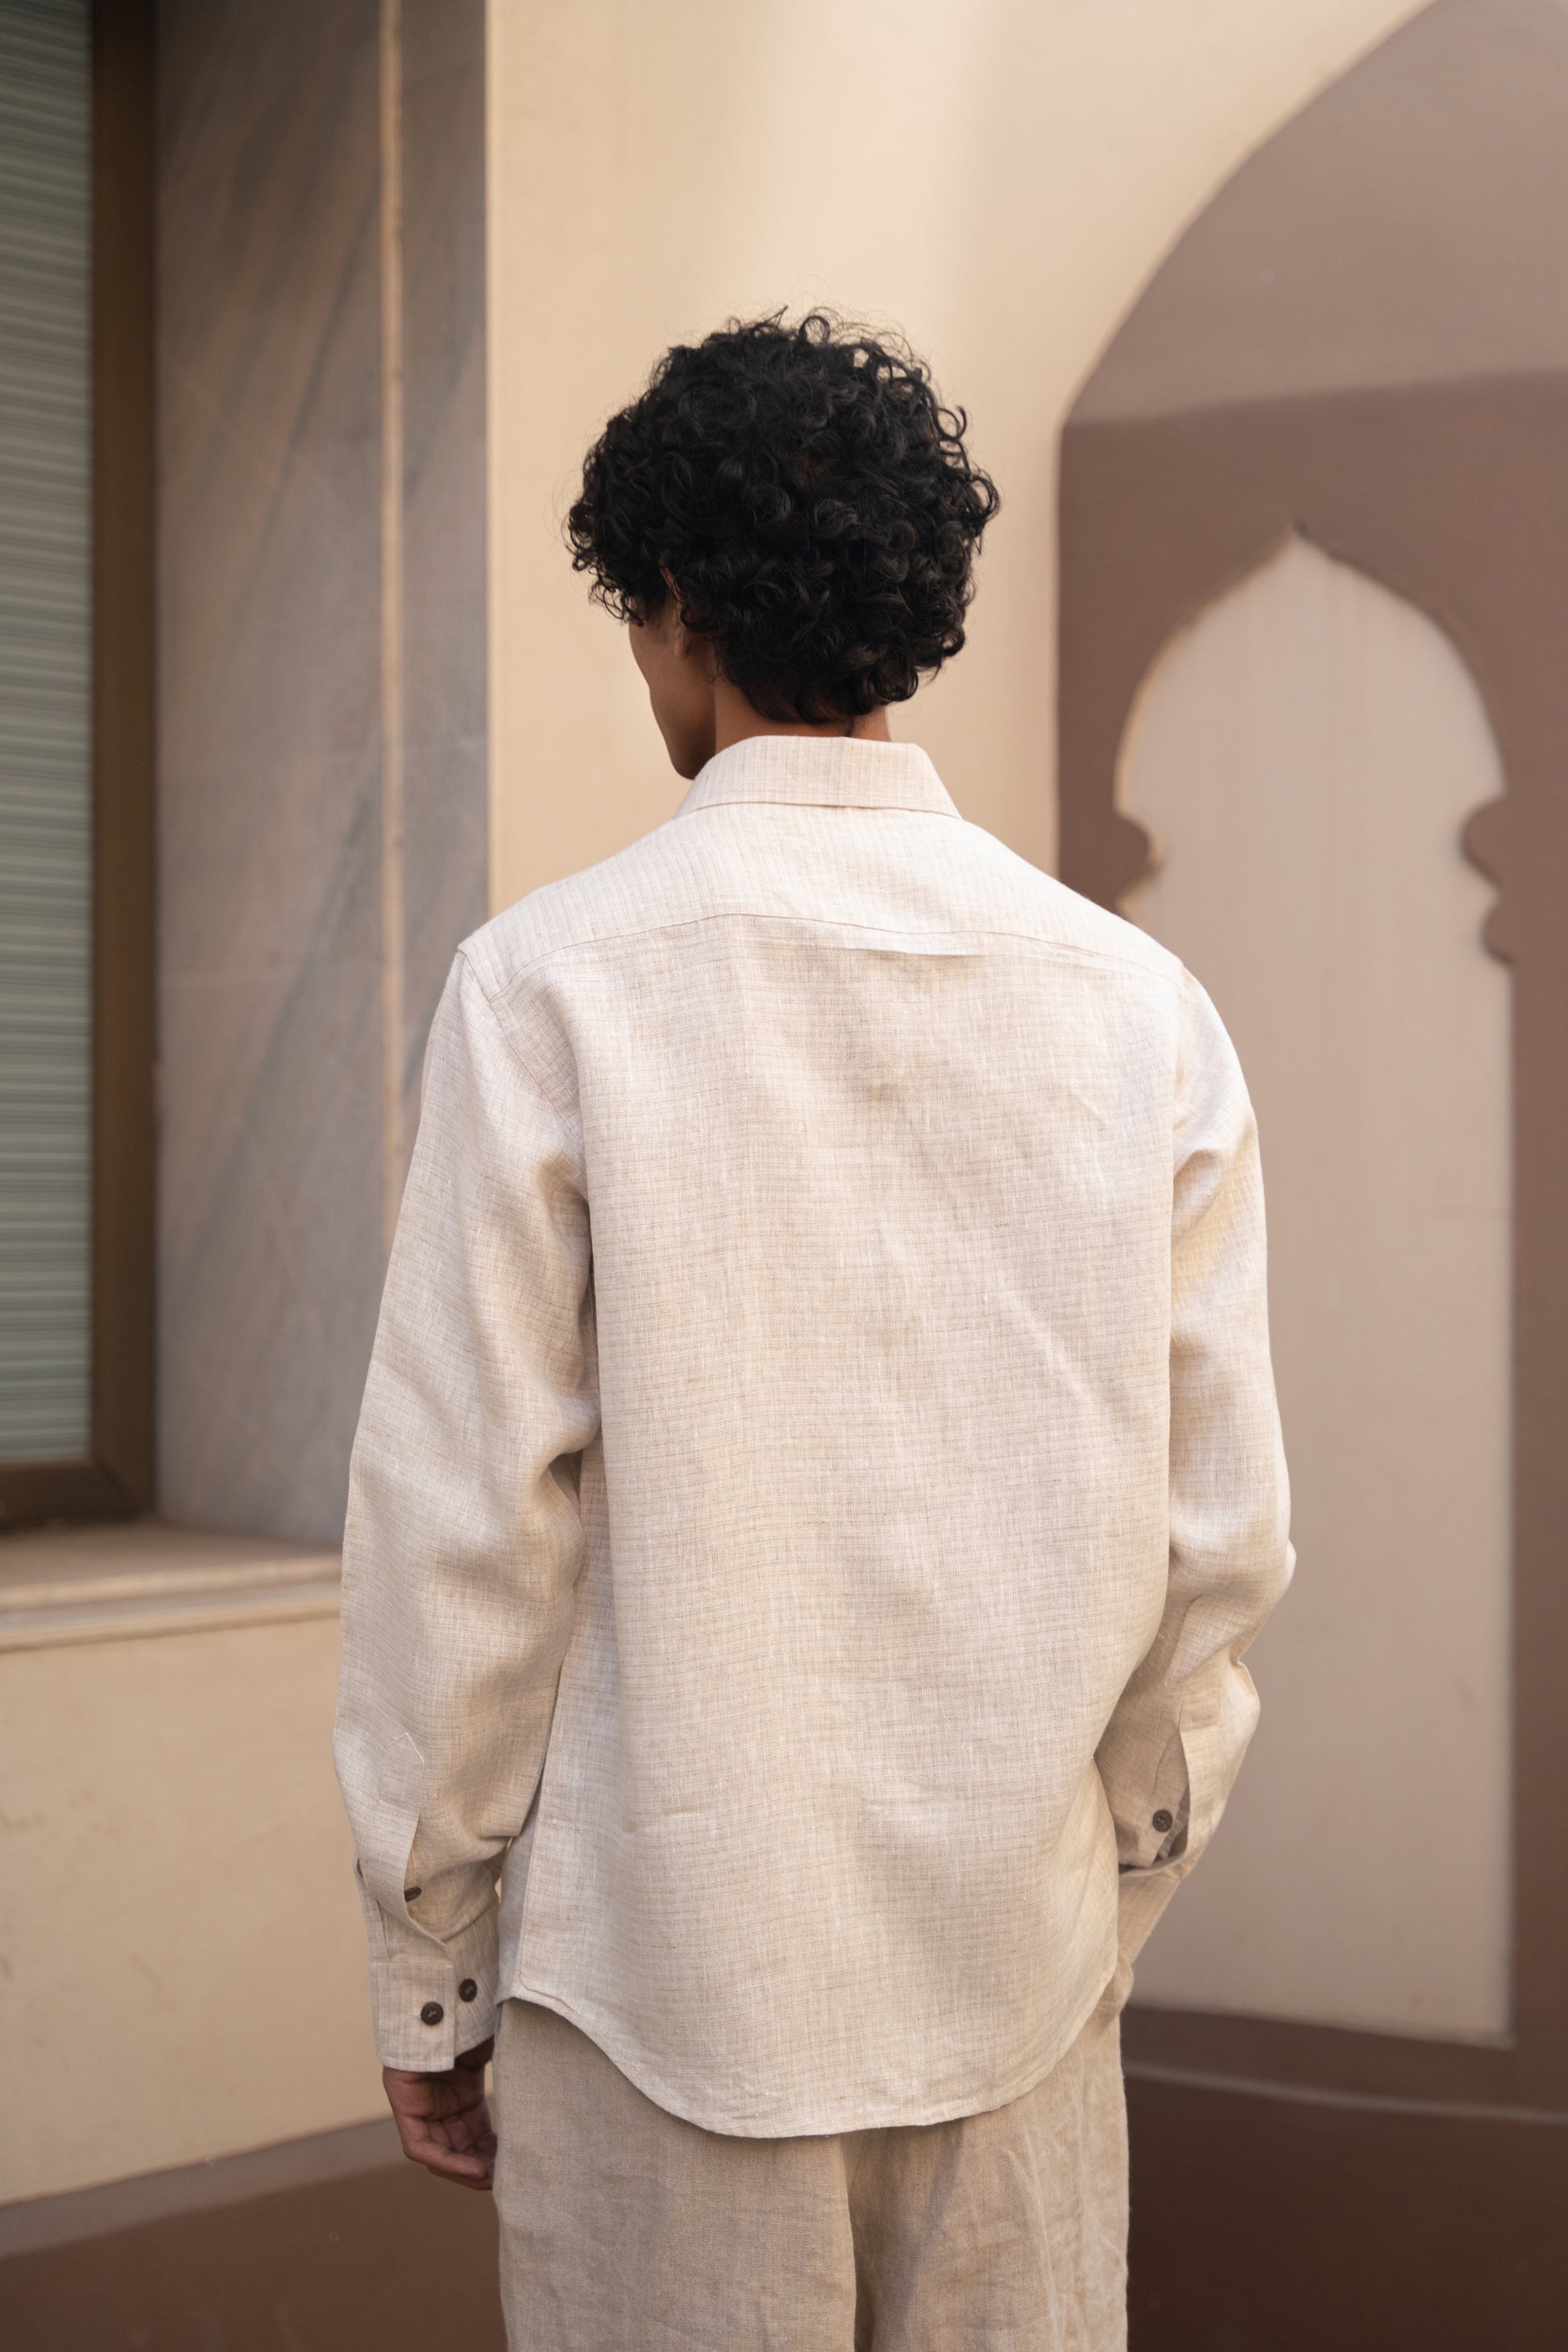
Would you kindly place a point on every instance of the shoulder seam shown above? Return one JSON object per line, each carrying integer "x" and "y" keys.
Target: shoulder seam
{"x": 509, "y": 1034}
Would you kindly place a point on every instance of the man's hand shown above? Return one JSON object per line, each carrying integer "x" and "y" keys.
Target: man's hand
{"x": 442, "y": 2119}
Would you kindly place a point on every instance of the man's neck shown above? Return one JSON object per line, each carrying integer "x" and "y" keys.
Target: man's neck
{"x": 735, "y": 721}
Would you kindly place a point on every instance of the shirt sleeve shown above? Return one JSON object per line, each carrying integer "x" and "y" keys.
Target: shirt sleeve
{"x": 1177, "y": 1736}
{"x": 464, "y": 1537}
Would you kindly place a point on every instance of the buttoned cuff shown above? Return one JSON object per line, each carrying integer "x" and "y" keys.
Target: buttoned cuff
{"x": 431, "y": 2000}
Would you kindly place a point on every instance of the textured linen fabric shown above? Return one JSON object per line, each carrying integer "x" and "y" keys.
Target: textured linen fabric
{"x": 624, "y": 2226}
{"x": 819, "y": 1468}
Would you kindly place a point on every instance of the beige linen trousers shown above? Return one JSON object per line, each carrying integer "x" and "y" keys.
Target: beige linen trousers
{"x": 625, "y": 2230}
{"x": 819, "y": 1468}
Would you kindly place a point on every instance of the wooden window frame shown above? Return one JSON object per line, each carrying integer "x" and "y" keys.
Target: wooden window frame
{"x": 114, "y": 1479}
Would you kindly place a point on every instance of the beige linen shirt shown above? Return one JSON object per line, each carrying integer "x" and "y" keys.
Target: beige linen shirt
{"x": 819, "y": 1468}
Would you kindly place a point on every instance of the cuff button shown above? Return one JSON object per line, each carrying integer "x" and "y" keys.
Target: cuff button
{"x": 432, "y": 2013}
{"x": 1163, "y": 1820}
{"x": 468, "y": 1990}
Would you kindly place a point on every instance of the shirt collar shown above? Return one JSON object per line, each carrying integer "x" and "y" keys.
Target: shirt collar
{"x": 835, "y": 771}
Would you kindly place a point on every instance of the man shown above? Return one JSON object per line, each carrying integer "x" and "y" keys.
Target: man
{"x": 819, "y": 1469}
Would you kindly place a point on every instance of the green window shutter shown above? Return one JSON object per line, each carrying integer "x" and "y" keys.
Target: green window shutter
{"x": 46, "y": 840}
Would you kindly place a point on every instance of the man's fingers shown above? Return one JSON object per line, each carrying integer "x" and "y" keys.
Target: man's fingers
{"x": 443, "y": 2121}
{"x": 463, "y": 2171}
{"x": 437, "y": 2096}
{"x": 450, "y": 2135}
{"x": 466, "y": 2171}
{"x": 469, "y": 2161}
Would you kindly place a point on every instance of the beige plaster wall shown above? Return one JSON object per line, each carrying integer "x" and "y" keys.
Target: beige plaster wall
{"x": 183, "y": 1959}
{"x": 1306, "y": 752}
{"x": 998, "y": 179}
{"x": 182, "y": 1964}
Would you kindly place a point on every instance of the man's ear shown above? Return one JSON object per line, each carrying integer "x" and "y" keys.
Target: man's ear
{"x": 683, "y": 642}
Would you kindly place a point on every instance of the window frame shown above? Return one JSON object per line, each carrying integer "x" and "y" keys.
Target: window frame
{"x": 114, "y": 1478}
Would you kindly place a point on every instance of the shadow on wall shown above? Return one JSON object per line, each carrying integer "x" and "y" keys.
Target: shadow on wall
{"x": 1359, "y": 2075}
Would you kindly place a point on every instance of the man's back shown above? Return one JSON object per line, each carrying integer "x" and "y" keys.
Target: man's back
{"x": 819, "y": 1470}
{"x": 845, "y": 1192}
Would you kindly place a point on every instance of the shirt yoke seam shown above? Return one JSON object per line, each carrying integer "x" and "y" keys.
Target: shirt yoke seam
{"x": 1172, "y": 973}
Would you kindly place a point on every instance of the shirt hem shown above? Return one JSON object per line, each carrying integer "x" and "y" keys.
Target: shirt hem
{"x": 808, "y": 2123}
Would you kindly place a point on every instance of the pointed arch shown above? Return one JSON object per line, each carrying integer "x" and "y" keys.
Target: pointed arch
{"x": 1306, "y": 752}
{"x": 1350, "y": 343}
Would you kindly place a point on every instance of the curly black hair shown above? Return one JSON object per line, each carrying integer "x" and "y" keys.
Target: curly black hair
{"x": 812, "y": 501}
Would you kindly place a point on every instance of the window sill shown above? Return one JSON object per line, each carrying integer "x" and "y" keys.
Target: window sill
{"x": 129, "y": 1583}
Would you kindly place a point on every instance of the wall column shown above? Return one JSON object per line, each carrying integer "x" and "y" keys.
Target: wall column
{"x": 323, "y": 699}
